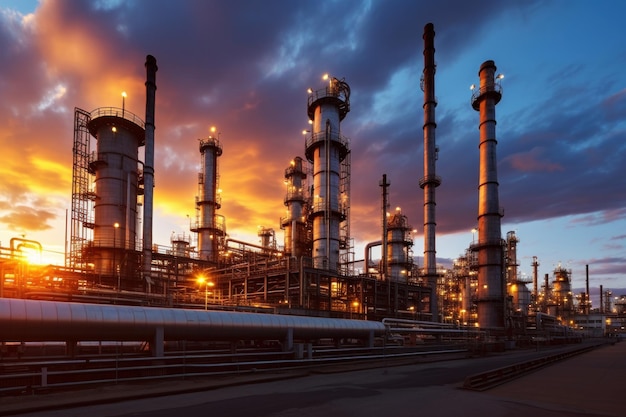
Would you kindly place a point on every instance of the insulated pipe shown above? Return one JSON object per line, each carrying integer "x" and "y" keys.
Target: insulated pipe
{"x": 148, "y": 170}
{"x": 430, "y": 181}
{"x": 368, "y": 250}
{"x": 35, "y": 320}
{"x": 491, "y": 292}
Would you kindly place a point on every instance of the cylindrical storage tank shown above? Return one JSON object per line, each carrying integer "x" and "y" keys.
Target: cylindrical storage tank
{"x": 326, "y": 148}
{"x": 116, "y": 166}
{"x": 208, "y": 201}
{"x": 521, "y": 297}
{"x": 399, "y": 243}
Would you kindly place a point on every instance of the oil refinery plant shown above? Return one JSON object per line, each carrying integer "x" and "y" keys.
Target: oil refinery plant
{"x": 112, "y": 259}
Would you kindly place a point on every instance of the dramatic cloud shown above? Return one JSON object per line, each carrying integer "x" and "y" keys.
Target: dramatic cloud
{"x": 244, "y": 66}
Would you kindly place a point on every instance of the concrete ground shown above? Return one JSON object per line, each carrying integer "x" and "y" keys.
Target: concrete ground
{"x": 590, "y": 384}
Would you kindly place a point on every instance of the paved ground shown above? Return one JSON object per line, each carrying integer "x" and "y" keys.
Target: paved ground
{"x": 590, "y": 384}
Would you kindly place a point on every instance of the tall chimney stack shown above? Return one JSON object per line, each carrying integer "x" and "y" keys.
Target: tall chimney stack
{"x": 491, "y": 292}
{"x": 430, "y": 181}
{"x": 587, "y": 297}
{"x": 535, "y": 294}
{"x": 148, "y": 169}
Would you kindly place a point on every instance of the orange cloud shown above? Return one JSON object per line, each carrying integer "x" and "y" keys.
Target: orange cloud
{"x": 531, "y": 161}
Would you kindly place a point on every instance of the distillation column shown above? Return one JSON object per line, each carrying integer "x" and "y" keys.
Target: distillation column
{"x": 326, "y": 148}
{"x": 116, "y": 166}
{"x": 207, "y": 227}
{"x": 430, "y": 181}
{"x": 491, "y": 292}
{"x": 399, "y": 244}
{"x": 294, "y": 223}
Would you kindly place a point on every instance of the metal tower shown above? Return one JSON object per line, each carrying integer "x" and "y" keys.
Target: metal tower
{"x": 329, "y": 152}
{"x": 491, "y": 283}
{"x": 430, "y": 181}
{"x": 208, "y": 227}
{"x": 294, "y": 223}
{"x": 117, "y": 170}
{"x": 399, "y": 244}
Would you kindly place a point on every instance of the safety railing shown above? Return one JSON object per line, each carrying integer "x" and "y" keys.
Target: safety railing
{"x": 29, "y": 378}
{"x": 117, "y": 112}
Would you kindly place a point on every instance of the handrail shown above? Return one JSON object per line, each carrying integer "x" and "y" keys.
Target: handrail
{"x": 486, "y": 380}
{"x": 47, "y": 378}
{"x": 117, "y": 112}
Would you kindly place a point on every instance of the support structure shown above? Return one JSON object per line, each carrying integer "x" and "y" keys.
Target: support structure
{"x": 81, "y": 221}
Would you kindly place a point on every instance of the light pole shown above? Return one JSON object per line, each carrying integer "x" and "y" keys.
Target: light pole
{"x": 123, "y": 102}
{"x": 116, "y": 226}
{"x": 354, "y": 307}
{"x": 207, "y": 284}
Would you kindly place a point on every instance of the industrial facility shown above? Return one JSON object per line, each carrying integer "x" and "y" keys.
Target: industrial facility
{"x": 111, "y": 257}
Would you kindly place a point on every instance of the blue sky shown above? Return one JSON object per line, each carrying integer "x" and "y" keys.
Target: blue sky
{"x": 244, "y": 66}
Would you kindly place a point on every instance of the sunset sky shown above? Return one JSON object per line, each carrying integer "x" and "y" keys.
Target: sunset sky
{"x": 244, "y": 67}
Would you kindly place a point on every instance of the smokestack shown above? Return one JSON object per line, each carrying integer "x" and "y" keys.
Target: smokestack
{"x": 601, "y": 299}
{"x": 148, "y": 169}
{"x": 385, "y": 205}
{"x": 430, "y": 181}
{"x": 588, "y": 298}
{"x": 546, "y": 291}
{"x": 535, "y": 265}
{"x": 491, "y": 292}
